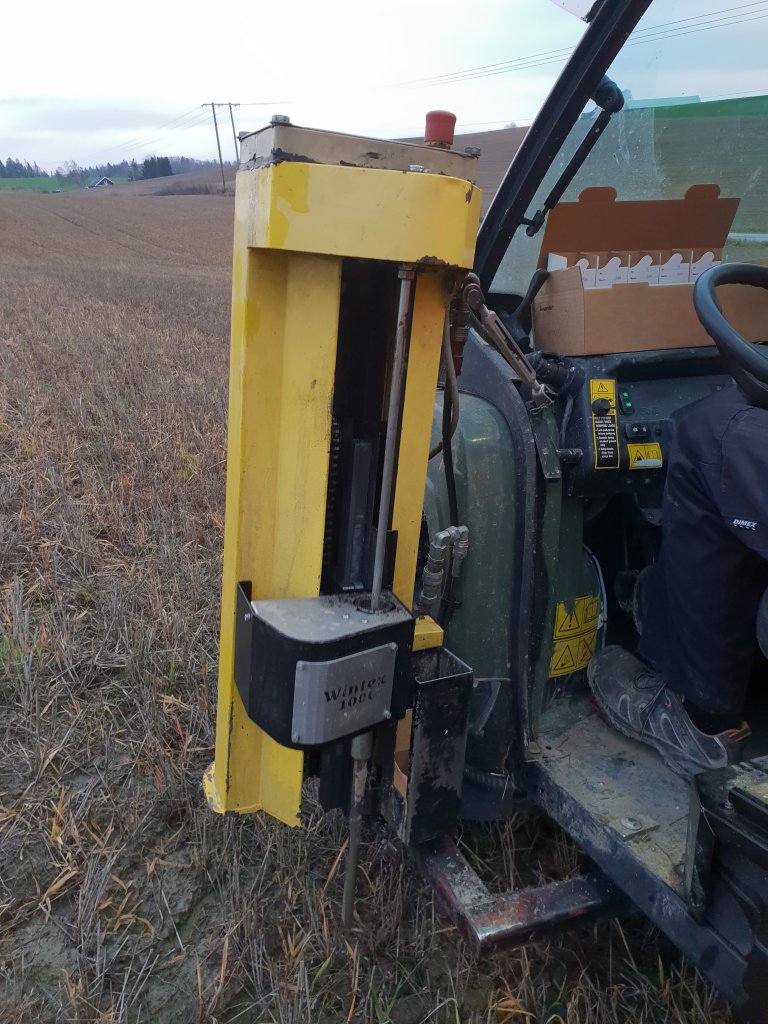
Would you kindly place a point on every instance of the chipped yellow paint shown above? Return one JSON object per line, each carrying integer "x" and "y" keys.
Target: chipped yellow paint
{"x": 367, "y": 213}
{"x": 427, "y": 634}
{"x": 431, "y": 298}
{"x": 281, "y": 382}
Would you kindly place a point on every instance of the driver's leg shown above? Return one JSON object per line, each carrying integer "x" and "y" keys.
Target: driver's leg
{"x": 700, "y": 630}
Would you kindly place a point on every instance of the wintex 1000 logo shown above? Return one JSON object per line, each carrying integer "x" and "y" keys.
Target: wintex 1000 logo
{"x": 355, "y": 694}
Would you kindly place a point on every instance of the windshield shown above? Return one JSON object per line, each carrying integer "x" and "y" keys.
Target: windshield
{"x": 695, "y": 83}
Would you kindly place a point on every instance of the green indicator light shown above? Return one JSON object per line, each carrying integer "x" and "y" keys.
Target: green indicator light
{"x": 629, "y": 405}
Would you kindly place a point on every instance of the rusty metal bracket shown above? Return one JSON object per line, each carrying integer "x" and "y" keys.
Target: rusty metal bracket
{"x": 489, "y": 920}
{"x": 496, "y": 334}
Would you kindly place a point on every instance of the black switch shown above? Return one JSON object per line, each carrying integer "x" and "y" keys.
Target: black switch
{"x": 626, "y": 404}
{"x": 636, "y": 431}
{"x": 601, "y": 407}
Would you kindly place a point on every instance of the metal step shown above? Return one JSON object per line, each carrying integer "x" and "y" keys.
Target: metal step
{"x": 489, "y": 920}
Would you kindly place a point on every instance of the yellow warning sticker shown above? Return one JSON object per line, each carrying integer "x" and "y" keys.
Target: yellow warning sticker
{"x": 572, "y": 655}
{"x": 575, "y": 635}
{"x": 580, "y": 617}
{"x": 603, "y": 389}
{"x": 645, "y": 456}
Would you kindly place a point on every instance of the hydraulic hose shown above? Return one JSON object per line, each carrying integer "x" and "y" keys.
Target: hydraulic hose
{"x": 434, "y": 571}
{"x": 450, "y": 478}
{"x": 451, "y": 385}
{"x": 501, "y": 784}
{"x": 446, "y": 609}
{"x": 454, "y": 541}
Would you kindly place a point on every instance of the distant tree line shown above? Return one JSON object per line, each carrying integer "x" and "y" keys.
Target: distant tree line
{"x": 20, "y": 169}
{"x": 71, "y": 173}
{"x": 156, "y": 167}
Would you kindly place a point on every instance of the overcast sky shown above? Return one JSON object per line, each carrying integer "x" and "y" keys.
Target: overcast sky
{"x": 100, "y": 83}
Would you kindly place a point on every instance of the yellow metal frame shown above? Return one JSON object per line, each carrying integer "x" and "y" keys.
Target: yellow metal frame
{"x": 293, "y": 224}
{"x": 367, "y": 213}
{"x": 427, "y": 634}
{"x": 432, "y": 296}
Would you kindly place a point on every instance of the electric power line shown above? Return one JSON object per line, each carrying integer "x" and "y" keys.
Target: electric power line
{"x": 564, "y": 58}
{"x": 265, "y": 103}
{"x": 556, "y": 56}
{"x": 151, "y": 140}
{"x": 165, "y": 124}
{"x": 218, "y": 141}
{"x": 467, "y": 77}
{"x": 722, "y": 18}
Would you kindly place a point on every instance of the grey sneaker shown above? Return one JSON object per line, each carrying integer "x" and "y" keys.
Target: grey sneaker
{"x": 637, "y": 702}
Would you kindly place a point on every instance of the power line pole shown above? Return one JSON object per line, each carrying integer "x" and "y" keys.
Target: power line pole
{"x": 218, "y": 143}
{"x": 234, "y": 133}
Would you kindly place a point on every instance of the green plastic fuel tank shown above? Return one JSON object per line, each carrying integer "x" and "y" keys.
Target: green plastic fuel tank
{"x": 483, "y": 458}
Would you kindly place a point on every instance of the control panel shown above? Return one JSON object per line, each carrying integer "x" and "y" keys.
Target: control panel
{"x": 624, "y": 421}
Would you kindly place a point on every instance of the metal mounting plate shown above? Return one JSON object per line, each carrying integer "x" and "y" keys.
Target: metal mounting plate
{"x": 340, "y": 697}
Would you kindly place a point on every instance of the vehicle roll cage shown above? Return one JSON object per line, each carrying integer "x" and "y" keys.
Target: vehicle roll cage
{"x": 609, "y": 29}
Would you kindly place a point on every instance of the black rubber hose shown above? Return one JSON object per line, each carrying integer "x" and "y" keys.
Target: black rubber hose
{"x": 450, "y": 383}
{"x": 446, "y": 605}
{"x": 501, "y": 784}
{"x": 566, "y": 420}
{"x": 450, "y": 478}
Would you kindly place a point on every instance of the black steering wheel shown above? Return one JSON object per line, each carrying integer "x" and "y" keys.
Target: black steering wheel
{"x": 747, "y": 363}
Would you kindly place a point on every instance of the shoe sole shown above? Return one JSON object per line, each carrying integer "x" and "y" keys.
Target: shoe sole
{"x": 649, "y": 741}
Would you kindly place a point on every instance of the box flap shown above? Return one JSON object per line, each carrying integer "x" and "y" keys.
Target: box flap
{"x": 597, "y": 222}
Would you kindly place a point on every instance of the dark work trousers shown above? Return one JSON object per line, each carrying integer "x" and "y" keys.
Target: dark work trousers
{"x": 704, "y": 593}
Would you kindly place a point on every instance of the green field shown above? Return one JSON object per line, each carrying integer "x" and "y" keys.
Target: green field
{"x": 46, "y": 184}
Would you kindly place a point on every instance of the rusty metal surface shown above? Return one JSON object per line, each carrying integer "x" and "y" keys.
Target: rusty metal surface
{"x": 730, "y": 808}
{"x": 727, "y": 869}
{"x": 290, "y": 143}
{"x": 640, "y": 866}
{"x": 438, "y": 744}
{"x": 500, "y": 337}
{"x": 512, "y": 918}
{"x": 626, "y": 788}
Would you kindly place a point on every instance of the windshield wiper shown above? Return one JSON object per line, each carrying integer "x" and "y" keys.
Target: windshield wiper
{"x": 609, "y": 97}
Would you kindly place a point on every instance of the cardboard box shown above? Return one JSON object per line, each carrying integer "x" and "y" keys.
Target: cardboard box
{"x": 572, "y": 320}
